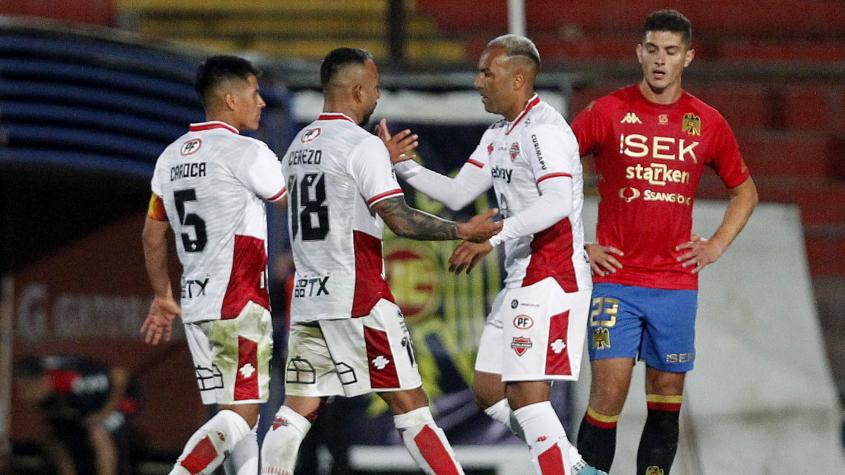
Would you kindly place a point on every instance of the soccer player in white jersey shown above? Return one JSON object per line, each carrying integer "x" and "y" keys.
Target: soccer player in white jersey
{"x": 347, "y": 335}
{"x": 535, "y": 332}
{"x": 210, "y": 186}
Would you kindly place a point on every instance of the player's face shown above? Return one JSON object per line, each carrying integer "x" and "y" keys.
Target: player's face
{"x": 370, "y": 91}
{"x": 495, "y": 81}
{"x": 249, "y": 103}
{"x": 663, "y": 56}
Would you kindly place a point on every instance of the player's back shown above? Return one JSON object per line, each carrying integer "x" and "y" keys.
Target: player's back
{"x": 219, "y": 223}
{"x": 331, "y": 167}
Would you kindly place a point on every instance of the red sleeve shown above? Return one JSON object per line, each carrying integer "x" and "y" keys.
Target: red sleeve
{"x": 726, "y": 159}
{"x": 587, "y": 130}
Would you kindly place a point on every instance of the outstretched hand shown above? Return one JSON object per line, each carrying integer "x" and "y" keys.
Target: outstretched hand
{"x": 479, "y": 228}
{"x": 700, "y": 253}
{"x": 467, "y": 255}
{"x": 159, "y": 321}
{"x": 601, "y": 259}
{"x": 401, "y": 146}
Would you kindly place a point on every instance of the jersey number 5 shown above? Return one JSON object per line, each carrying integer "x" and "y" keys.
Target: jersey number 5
{"x": 308, "y": 206}
{"x": 190, "y": 219}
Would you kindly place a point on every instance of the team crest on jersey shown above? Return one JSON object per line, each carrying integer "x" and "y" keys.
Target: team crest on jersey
{"x": 601, "y": 338}
{"x": 663, "y": 119}
{"x": 653, "y": 470}
{"x": 691, "y": 124}
{"x": 514, "y": 151}
{"x": 490, "y": 149}
{"x": 190, "y": 147}
{"x": 310, "y": 135}
{"x": 521, "y": 344}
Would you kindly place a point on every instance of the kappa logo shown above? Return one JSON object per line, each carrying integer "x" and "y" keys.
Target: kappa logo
{"x": 521, "y": 344}
{"x": 557, "y": 346}
{"x": 523, "y": 322}
{"x": 630, "y": 118}
{"x": 280, "y": 422}
{"x": 310, "y": 135}
{"x": 190, "y": 147}
{"x": 628, "y": 193}
{"x": 380, "y": 362}
{"x": 247, "y": 370}
{"x": 514, "y": 152}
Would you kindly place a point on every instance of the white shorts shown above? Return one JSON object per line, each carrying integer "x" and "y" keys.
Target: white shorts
{"x": 352, "y": 356}
{"x": 535, "y": 333}
{"x": 232, "y": 357}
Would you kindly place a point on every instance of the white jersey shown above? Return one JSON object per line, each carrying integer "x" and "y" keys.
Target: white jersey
{"x": 538, "y": 145}
{"x": 212, "y": 181}
{"x": 335, "y": 171}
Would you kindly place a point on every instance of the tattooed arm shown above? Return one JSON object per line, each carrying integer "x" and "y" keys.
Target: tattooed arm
{"x": 415, "y": 224}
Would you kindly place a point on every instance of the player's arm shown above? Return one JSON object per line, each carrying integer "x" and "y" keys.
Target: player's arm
{"x": 164, "y": 308}
{"x": 415, "y": 224}
{"x": 118, "y": 382}
{"x": 702, "y": 252}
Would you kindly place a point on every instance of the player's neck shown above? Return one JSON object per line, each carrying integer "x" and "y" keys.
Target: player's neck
{"x": 339, "y": 107}
{"x": 517, "y": 107}
{"x": 226, "y": 119}
{"x": 667, "y": 95}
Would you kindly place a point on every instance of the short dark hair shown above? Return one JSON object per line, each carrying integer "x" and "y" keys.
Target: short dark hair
{"x": 29, "y": 367}
{"x": 217, "y": 69}
{"x": 669, "y": 20}
{"x": 337, "y": 59}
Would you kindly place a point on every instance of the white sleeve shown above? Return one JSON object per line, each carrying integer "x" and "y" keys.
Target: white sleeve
{"x": 551, "y": 150}
{"x": 370, "y": 166}
{"x": 154, "y": 183}
{"x": 473, "y": 179}
{"x": 554, "y": 204}
{"x": 261, "y": 172}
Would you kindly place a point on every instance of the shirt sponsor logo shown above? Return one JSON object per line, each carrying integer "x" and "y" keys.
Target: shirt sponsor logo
{"x": 521, "y": 344}
{"x": 657, "y": 174}
{"x": 502, "y": 173}
{"x": 678, "y": 198}
{"x": 537, "y": 151}
{"x": 630, "y": 118}
{"x": 193, "y": 288}
{"x": 310, "y": 135}
{"x": 190, "y": 147}
{"x": 659, "y": 148}
{"x": 312, "y": 287}
{"x": 629, "y": 194}
{"x": 523, "y": 322}
{"x": 691, "y": 124}
{"x": 187, "y": 170}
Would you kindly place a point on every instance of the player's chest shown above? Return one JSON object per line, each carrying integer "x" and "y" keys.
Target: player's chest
{"x": 674, "y": 139}
{"x": 508, "y": 165}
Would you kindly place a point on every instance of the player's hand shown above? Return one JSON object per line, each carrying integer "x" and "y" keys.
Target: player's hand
{"x": 480, "y": 228}
{"x": 159, "y": 321}
{"x": 699, "y": 253}
{"x": 467, "y": 255}
{"x": 401, "y": 146}
{"x": 601, "y": 258}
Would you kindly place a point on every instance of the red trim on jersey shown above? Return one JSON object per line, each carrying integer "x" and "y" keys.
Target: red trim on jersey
{"x": 551, "y": 256}
{"x": 434, "y": 452}
{"x": 246, "y": 378}
{"x": 558, "y": 363}
{"x": 212, "y": 125}
{"x": 551, "y": 461}
{"x": 280, "y": 194}
{"x": 246, "y": 281}
{"x": 62, "y": 380}
{"x": 201, "y": 455}
{"x": 476, "y": 163}
{"x": 370, "y": 286}
{"x": 553, "y": 175}
{"x": 335, "y": 116}
{"x": 380, "y": 360}
{"x": 386, "y": 194}
{"x": 530, "y": 105}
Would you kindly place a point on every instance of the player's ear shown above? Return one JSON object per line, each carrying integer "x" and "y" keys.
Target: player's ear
{"x": 688, "y": 57}
{"x": 358, "y": 93}
{"x": 229, "y": 100}
{"x": 518, "y": 79}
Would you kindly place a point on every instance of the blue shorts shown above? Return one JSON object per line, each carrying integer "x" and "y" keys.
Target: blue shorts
{"x": 654, "y": 325}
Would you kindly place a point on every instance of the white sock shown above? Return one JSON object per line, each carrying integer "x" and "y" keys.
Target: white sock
{"x": 427, "y": 443}
{"x": 545, "y": 437}
{"x": 281, "y": 443}
{"x": 501, "y": 412}
{"x": 244, "y": 457}
{"x": 208, "y": 446}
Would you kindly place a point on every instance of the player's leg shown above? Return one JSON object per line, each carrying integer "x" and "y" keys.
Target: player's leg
{"x": 104, "y": 447}
{"x": 232, "y": 361}
{"x": 615, "y": 330}
{"x": 669, "y": 350}
{"x": 310, "y": 377}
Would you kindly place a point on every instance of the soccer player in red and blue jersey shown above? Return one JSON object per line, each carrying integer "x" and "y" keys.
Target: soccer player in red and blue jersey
{"x": 650, "y": 142}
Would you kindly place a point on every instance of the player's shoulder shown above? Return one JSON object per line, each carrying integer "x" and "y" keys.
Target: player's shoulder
{"x": 623, "y": 96}
{"x": 697, "y": 106}
{"x": 544, "y": 114}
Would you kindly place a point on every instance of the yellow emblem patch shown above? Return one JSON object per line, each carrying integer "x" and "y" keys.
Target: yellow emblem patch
{"x": 691, "y": 124}
{"x": 601, "y": 338}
